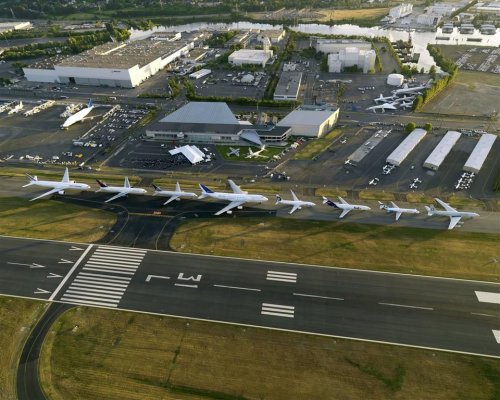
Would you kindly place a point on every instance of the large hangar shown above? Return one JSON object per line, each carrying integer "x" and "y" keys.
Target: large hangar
{"x": 311, "y": 121}
{"x": 444, "y": 147}
{"x": 406, "y": 147}
{"x": 480, "y": 152}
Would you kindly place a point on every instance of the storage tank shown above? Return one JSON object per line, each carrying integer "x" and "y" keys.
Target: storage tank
{"x": 395, "y": 79}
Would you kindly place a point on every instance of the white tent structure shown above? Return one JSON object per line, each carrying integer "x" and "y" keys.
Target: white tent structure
{"x": 192, "y": 153}
{"x": 480, "y": 152}
{"x": 443, "y": 148}
{"x": 406, "y": 147}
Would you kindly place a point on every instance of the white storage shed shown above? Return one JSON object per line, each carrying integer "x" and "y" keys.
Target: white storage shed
{"x": 443, "y": 148}
{"x": 406, "y": 147}
{"x": 480, "y": 152}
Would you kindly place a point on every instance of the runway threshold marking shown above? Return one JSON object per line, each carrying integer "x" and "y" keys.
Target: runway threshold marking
{"x": 281, "y": 276}
{"x": 238, "y": 288}
{"x": 149, "y": 277}
{"x": 407, "y": 306}
{"x": 319, "y": 297}
{"x": 497, "y": 335}
{"x": 278, "y": 310}
{"x": 488, "y": 297}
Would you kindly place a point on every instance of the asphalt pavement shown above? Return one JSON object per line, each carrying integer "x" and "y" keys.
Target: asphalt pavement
{"x": 438, "y": 313}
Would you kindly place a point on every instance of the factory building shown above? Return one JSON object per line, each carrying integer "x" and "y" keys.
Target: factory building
{"x": 406, "y": 147}
{"x": 275, "y": 35}
{"x": 328, "y": 46}
{"x": 429, "y": 19}
{"x": 247, "y": 56}
{"x": 311, "y": 121}
{"x": 350, "y": 57}
{"x": 112, "y": 64}
{"x": 401, "y": 11}
{"x": 444, "y": 147}
{"x": 288, "y": 86}
{"x": 480, "y": 152}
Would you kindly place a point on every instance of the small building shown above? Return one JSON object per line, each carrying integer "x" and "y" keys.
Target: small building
{"x": 448, "y": 28}
{"x": 311, "y": 121}
{"x": 241, "y": 39}
{"x": 200, "y": 73}
{"x": 406, "y": 147}
{"x": 350, "y": 57}
{"x": 401, "y": 11}
{"x": 429, "y": 19}
{"x": 14, "y": 26}
{"x": 395, "y": 79}
{"x": 443, "y": 9}
{"x": 192, "y": 153}
{"x": 444, "y": 147}
{"x": 480, "y": 152}
{"x": 250, "y": 57}
{"x": 288, "y": 86}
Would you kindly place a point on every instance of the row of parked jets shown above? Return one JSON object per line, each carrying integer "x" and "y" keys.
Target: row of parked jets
{"x": 237, "y": 198}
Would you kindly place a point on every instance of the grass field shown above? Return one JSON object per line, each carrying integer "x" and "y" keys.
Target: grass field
{"x": 16, "y": 318}
{"x": 268, "y": 153}
{"x": 104, "y": 354}
{"x": 363, "y": 13}
{"x": 384, "y": 248}
{"x": 49, "y": 219}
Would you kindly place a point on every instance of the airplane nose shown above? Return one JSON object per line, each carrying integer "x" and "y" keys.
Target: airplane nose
{"x": 265, "y": 198}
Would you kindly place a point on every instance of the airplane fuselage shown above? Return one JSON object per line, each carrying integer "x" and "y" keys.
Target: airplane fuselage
{"x": 297, "y": 203}
{"x": 451, "y": 214}
{"x": 237, "y": 197}
{"x": 79, "y": 116}
{"x": 61, "y": 185}
{"x": 402, "y": 210}
{"x": 174, "y": 193}
{"x": 121, "y": 189}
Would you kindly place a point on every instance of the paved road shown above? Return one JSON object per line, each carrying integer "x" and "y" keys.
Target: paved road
{"x": 446, "y": 314}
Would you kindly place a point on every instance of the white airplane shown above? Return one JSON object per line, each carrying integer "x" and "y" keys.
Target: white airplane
{"x": 253, "y": 154}
{"x": 56, "y": 187}
{"x": 374, "y": 181}
{"x": 406, "y": 105}
{"x": 383, "y": 107}
{"x": 296, "y": 203}
{"x": 454, "y": 215}
{"x": 79, "y": 116}
{"x": 349, "y": 162}
{"x": 409, "y": 90}
{"x": 121, "y": 191}
{"x": 344, "y": 206}
{"x": 176, "y": 194}
{"x": 17, "y": 108}
{"x": 397, "y": 210}
{"x": 4, "y": 107}
{"x": 234, "y": 152}
{"x": 383, "y": 99}
{"x": 236, "y": 199}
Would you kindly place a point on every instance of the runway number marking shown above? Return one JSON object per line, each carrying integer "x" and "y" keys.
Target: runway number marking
{"x": 32, "y": 265}
{"x": 41, "y": 291}
{"x": 181, "y": 277}
{"x": 148, "y": 279}
{"x": 497, "y": 335}
{"x": 281, "y": 276}
{"x": 488, "y": 297}
{"x": 52, "y": 275}
{"x": 278, "y": 310}
{"x": 74, "y": 248}
{"x": 63, "y": 261}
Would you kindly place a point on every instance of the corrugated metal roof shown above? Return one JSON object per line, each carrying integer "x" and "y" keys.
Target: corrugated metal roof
{"x": 440, "y": 152}
{"x": 406, "y": 146}
{"x": 480, "y": 152}
{"x": 202, "y": 113}
{"x": 306, "y": 117}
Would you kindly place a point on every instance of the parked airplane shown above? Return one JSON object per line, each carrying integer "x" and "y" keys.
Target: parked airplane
{"x": 253, "y": 154}
{"x": 409, "y": 90}
{"x": 121, "y": 191}
{"x": 344, "y": 206}
{"x": 176, "y": 194}
{"x": 17, "y": 108}
{"x": 296, "y": 203}
{"x": 374, "y": 181}
{"x": 406, "y": 105}
{"x": 4, "y": 107}
{"x": 383, "y": 99}
{"x": 454, "y": 215}
{"x": 383, "y": 107}
{"x": 234, "y": 152}
{"x": 349, "y": 162}
{"x": 56, "y": 187}
{"x": 236, "y": 199}
{"x": 397, "y": 210}
{"x": 79, "y": 116}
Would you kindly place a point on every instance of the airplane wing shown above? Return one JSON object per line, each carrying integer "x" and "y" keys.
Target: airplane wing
{"x": 116, "y": 196}
{"x": 66, "y": 176}
{"x": 446, "y": 206}
{"x": 454, "y": 222}
{"x": 344, "y": 213}
{"x": 394, "y": 204}
{"x": 295, "y": 198}
{"x": 235, "y": 187}
{"x": 295, "y": 208}
{"x": 342, "y": 200}
{"x": 398, "y": 214}
{"x": 230, "y": 206}
{"x": 172, "y": 198}
{"x": 52, "y": 191}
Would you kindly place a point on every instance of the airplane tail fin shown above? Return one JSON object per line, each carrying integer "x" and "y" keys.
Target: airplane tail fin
{"x": 101, "y": 184}
{"x": 381, "y": 205}
{"x": 430, "y": 210}
{"x": 157, "y": 188}
{"x": 90, "y": 103}
{"x": 32, "y": 180}
{"x": 325, "y": 200}
{"x": 204, "y": 191}
{"x": 278, "y": 199}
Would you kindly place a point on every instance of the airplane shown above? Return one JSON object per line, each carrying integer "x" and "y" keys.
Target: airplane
{"x": 344, "y": 206}
{"x": 4, "y": 107}
{"x": 17, "y": 108}
{"x": 383, "y": 107}
{"x": 252, "y": 154}
{"x": 79, "y": 116}
{"x": 413, "y": 186}
{"x": 236, "y": 199}
{"x": 409, "y": 90}
{"x": 374, "y": 181}
{"x": 397, "y": 210}
{"x": 454, "y": 215}
{"x": 406, "y": 105}
{"x": 234, "y": 152}
{"x": 383, "y": 99}
{"x": 417, "y": 180}
{"x": 56, "y": 187}
{"x": 121, "y": 191}
{"x": 176, "y": 194}
{"x": 296, "y": 203}
{"x": 349, "y": 162}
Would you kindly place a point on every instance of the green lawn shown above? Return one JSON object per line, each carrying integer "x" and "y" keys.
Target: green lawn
{"x": 267, "y": 154}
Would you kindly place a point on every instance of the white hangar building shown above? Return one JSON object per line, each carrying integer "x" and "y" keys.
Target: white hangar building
{"x": 480, "y": 152}
{"x": 406, "y": 147}
{"x": 311, "y": 121}
{"x": 443, "y": 148}
{"x": 111, "y": 64}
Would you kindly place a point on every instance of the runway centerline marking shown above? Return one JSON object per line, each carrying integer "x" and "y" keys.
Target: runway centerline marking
{"x": 406, "y": 306}
{"x": 497, "y": 335}
{"x": 485, "y": 315}
{"x": 238, "y": 288}
{"x": 488, "y": 297}
{"x": 319, "y": 297}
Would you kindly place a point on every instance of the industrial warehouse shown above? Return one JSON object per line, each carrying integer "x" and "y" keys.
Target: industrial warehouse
{"x": 406, "y": 147}
{"x": 438, "y": 155}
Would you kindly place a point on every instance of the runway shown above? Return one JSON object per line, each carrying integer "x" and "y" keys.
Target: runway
{"x": 438, "y": 313}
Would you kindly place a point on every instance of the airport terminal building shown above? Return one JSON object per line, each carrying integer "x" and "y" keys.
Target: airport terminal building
{"x": 112, "y": 64}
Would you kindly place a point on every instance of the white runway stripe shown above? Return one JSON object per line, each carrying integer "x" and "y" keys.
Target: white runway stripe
{"x": 118, "y": 253}
{"x": 123, "y": 249}
{"x": 97, "y": 278}
{"x": 497, "y": 335}
{"x": 90, "y": 294}
{"x": 278, "y": 310}
{"x": 277, "y": 314}
{"x": 88, "y": 290}
{"x": 84, "y": 285}
{"x": 121, "y": 278}
{"x": 111, "y": 267}
{"x": 117, "y": 258}
{"x": 406, "y": 306}
{"x": 88, "y": 302}
{"x": 488, "y": 297}
{"x": 281, "y": 276}
{"x": 278, "y": 306}
{"x": 107, "y": 270}
{"x": 318, "y": 297}
{"x": 112, "y": 264}
{"x": 106, "y": 282}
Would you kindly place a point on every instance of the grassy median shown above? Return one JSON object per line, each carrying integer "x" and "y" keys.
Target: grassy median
{"x": 16, "y": 318}
{"x": 104, "y": 354}
{"x": 49, "y": 219}
{"x": 374, "y": 247}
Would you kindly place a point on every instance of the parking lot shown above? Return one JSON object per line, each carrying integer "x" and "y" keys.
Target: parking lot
{"x": 483, "y": 59}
